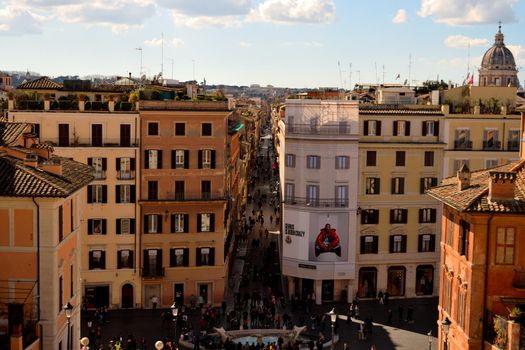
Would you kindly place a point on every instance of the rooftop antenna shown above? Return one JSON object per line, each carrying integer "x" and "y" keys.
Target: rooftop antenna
{"x": 140, "y": 68}
{"x": 383, "y": 74}
{"x": 162, "y": 53}
{"x": 340, "y": 75}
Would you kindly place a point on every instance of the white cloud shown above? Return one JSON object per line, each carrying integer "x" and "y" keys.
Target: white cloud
{"x": 245, "y": 44}
{"x": 294, "y": 11}
{"x": 16, "y": 20}
{"x": 467, "y": 12}
{"x": 519, "y": 54}
{"x": 206, "y": 21}
{"x": 461, "y": 41}
{"x": 157, "y": 42}
{"x": 212, "y": 8}
{"x": 400, "y": 17}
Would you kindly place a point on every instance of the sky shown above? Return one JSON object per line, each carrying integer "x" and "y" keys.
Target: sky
{"x": 284, "y": 43}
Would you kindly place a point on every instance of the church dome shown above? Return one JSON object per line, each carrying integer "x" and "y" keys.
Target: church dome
{"x": 498, "y": 56}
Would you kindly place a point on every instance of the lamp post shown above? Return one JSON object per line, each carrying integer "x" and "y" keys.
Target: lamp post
{"x": 84, "y": 342}
{"x": 429, "y": 334}
{"x": 445, "y": 324}
{"x": 159, "y": 345}
{"x": 333, "y": 318}
{"x": 68, "y": 308}
{"x": 175, "y": 313}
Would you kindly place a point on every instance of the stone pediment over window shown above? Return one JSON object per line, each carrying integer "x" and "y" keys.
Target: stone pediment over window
{"x": 398, "y": 231}
{"x": 368, "y": 231}
{"x": 426, "y": 230}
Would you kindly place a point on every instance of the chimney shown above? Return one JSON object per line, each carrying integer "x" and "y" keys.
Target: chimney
{"x": 463, "y": 176}
{"x": 502, "y": 185}
{"x": 52, "y": 166}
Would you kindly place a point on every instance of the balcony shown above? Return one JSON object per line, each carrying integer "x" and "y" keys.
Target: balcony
{"x": 307, "y": 129}
{"x": 513, "y": 145}
{"x": 491, "y": 145}
{"x": 462, "y": 144}
{"x": 126, "y": 175}
{"x": 187, "y": 197}
{"x": 100, "y": 175}
{"x": 317, "y": 202}
{"x": 88, "y": 142}
{"x": 152, "y": 272}
{"x": 519, "y": 279}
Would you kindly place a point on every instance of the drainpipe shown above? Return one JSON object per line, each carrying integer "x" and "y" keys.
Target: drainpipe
{"x": 485, "y": 282}
{"x": 37, "y": 256}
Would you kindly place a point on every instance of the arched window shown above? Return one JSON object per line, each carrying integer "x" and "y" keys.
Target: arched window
{"x": 424, "y": 280}
{"x": 367, "y": 282}
{"x": 396, "y": 280}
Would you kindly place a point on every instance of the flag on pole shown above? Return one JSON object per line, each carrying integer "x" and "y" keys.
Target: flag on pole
{"x": 398, "y": 76}
{"x": 467, "y": 79}
{"x": 471, "y": 81}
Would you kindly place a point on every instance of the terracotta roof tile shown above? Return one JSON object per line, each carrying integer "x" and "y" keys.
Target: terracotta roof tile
{"x": 43, "y": 83}
{"x": 10, "y": 133}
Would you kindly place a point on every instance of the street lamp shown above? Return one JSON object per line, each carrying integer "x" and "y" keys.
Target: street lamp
{"x": 445, "y": 324}
{"x": 175, "y": 313}
{"x": 84, "y": 342}
{"x": 333, "y": 318}
{"x": 159, "y": 345}
{"x": 68, "y": 308}
{"x": 429, "y": 334}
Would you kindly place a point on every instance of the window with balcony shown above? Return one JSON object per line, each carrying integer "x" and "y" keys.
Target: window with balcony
{"x": 426, "y": 183}
{"x": 206, "y": 222}
{"x": 430, "y": 128}
{"x": 369, "y": 216}
{"x": 99, "y": 164}
{"x": 125, "y": 226}
{"x": 514, "y": 140}
{"x": 289, "y": 192}
{"x": 125, "y": 135}
{"x": 179, "y": 190}
{"x": 125, "y": 168}
{"x": 206, "y": 256}
{"x": 426, "y": 243}
{"x": 490, "y": 140}
{"x": 290, "y": 160}
{"x": 180, "y": 129}
{"x": 429, "y": 158}
{"x": 125, "y": 259}
{"x": 125, "y": 193}
{"x": 505, "y": 246}
{"x": 427, "y": 215}
{"x": 97, "y": 259}
{"x": 96, "y": 135}
{"x": 206, "y": 189}
{"x": 372, "y": 128}
{"x": 369, "y": 244}
{"x": 97, "y": 227}
{"x": 398, "y": 185}
{"x": 342, "y": 162}
{"x": 179, "y": 223}
{"x": 153, "y": 159}
{"x": 398, "y": 216}
{"x": 207, "y": 159}
{"x": 312, "y": 195}
{"x": 153, "y": 129}
{"x": 341, "y": 195}
{"x": 462, "y": 139}
{"x": 97, "y": 194}
{"x": 313, "y": 162}
{"x": 401, "y": 128}
{"x": 152, "y": 262}
{"x": 152, "y": 223}
{"x": 206, "y": 129}
{"x": 179, "y": 257}
{"x": 371, "y": 158}
{"x": 63, "y": 135}
{"x": 400, "y": 158}
{"x": 398, "y": 244}
{"x": 153, "y": 190}
{"x": 372, "y": 185}
{"x": 180, "y": 159}
{"x": 464, "y": 231}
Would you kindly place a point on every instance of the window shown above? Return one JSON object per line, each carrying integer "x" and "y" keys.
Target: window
{"x": 430, "y": 128}
{"x": 100, "y": 166}
{"x": 96, "y": 135}
{"x": 462, "y": 139}
{"x": 179, "y": 223}
{"x": 398, "y": 216}
{"x": 312, "y": 195}
{"x": 458, "y": 163}
{"x": 429, "y": 158}
{"x": 97, "y": 194}
{"x": 461, "y": 307}
{"x": 424, "y": 280}
{"x": 514, "y": 140}
{"x": 125, "y": 259}
{"x": 372, "y": 185}
{"x": 369, "y": 244}
{"x": 205, "y": 256}
{"x": 153, "y": 159}
{"x": 125, "y": 226}
{"x": 206, "y": 222}
{"x": 290, "y": 160}
{"x": 63, "y": 135}
{"x": 125, "y": 168}
{"x": 153, "y": 263}
{"x": 71, "y": 216}
{"x": 125, "y": 135}
{"x": 398, "y": 185}
{"x": 425, "y": 183}
{"x": 464, "y": 230}
{"x": 341, "y": 195}
{"x": 505, "y": 245}
{"x": 426, "y": 243}
{"x": 450, "y": 229}
{"x": 180, "y": 159}
{"x": 490, "y": 139}
{"x": 152, "y": 223}
{"x": 153, "y": 192}
{"x": 289, "y": 192}
{"x": 71, "y": 281}
{"x": 206, "y": 189}
{"x": 180, "y": 129}
{"x": 97, "y": 259}
{"x": 398, "y": 244}
{"x": 427, "y": 215}
{"x": 60, "y": 293}
{"x": 400, "y": 158}
{"x": 342, "y": 162}
{"x": 396, "y": 280}
{"x": 491, "y": 163}
{"x": 60, "y": 223}
{"x": 179, "y": 257}
{"x": 369, "y": 216}
{"x": 313, "y": 162}
{"x": 206, "y": 129}
{"x": 125, "y": 193}
{"x": 448, "y": 293}
{"x": 372, "y": 128}
{"x": 179, "y": 190}
{"x": 153, "y": 129}
{"x": 207, "y": 159}
{"x": 371, "y": 158}
{"x": 367, "y": 282}
{"x": 97, "y": 227}
{"x": 401, "y": 128}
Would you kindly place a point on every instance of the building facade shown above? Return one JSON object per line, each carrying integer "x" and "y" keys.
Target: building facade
{"x": 318, "y": 158}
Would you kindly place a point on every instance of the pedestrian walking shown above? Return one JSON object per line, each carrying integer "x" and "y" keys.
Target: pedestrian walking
{"x": 154, "y": 302}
